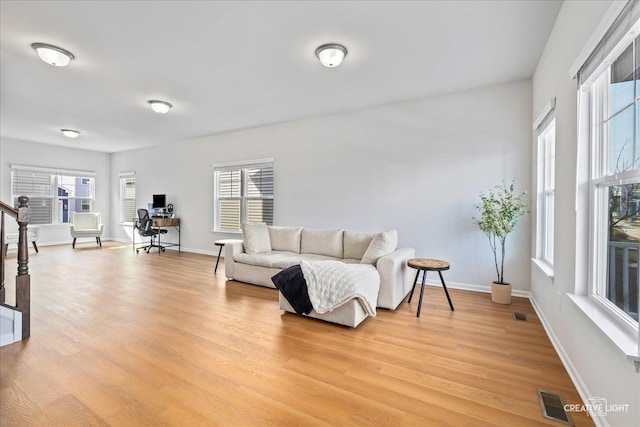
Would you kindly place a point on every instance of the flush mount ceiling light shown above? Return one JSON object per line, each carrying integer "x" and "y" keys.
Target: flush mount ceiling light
{"x": 160, "y": 107}
{"x": 53, "y": 55}
{"x": 331, "y": 54}
{"x": 70, "y": 133}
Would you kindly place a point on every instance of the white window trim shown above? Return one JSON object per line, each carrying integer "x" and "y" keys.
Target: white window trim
{"x": 543, "y": 235}
{"x": 56, "y": 171}
{"x": 622, "y": 333}
{"x": 254, "y": 162}
{"x": 541, "y": 125}
{"x": 621, "y": 338}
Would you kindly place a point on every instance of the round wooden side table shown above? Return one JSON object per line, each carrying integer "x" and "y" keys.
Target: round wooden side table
{"x": 424, "y": 265}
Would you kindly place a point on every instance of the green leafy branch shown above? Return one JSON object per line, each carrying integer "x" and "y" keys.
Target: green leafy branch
{"x": 499, "y": 212}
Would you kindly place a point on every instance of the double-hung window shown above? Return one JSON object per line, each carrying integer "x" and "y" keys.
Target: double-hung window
{"x": 615, "y": 181}
{"x": 613, "y": 117}
{"x": 546, "y": 192}
{"x": 243, "y": 194}
{"x": 128, "y": 197}
{"x": 54, "y": 194}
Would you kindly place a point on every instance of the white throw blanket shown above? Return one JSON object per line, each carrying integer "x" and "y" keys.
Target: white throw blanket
{"x": 333, "y": 283}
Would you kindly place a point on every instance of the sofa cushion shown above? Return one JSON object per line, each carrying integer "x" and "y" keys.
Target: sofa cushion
{"x": 381, "y": 245}
{"x": 296, "y": 258}
{"x": 285, "y": 238}
{"x": 279, "y": 259}
{"x": 356, "y": 243}
{"x": 256, "y": 238}
{"x": 86, "y": 221}
{"x": 272, "y": 259}
{"x": 322, "y": 242}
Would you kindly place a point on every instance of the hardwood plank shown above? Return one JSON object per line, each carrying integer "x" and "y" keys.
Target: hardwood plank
{"x": 159, "y": 339}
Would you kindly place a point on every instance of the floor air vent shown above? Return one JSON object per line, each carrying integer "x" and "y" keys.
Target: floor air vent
{"x": 520, "y": 316}
{"x": 552, "y": 406}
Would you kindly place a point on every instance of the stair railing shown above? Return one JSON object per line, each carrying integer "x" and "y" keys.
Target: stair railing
{"x": 23, "y": 280}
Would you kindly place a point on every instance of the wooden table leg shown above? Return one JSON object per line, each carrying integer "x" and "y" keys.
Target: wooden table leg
{"x": 215, "y": 270}
{"x": 424, "y": 275}
{"x": 445, "y": 291}
{"x": 414, "y": 286}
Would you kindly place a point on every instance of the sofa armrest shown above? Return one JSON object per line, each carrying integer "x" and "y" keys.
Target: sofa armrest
{"x": 395, "y": 280}
{"x": 231, "y": 249}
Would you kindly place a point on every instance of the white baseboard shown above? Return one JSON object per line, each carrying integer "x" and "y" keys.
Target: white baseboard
{"x": 474, "y": 288}
{"x": 172, "y": 248}
{"x": 581, "y": 387}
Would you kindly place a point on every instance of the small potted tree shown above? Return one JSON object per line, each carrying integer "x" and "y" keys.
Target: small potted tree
{"x": 499, "y": 213}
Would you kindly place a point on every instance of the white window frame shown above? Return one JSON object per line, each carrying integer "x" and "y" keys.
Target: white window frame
{"x": 124, "y": 177}
{"x": 55, "y": 176}
{"x": 614, "y": 34}
{"x": 545, "y": 224}
{"x": 548, "y": 194}
{"x": 601, "y": 179}
{"x": 243, "y": 167}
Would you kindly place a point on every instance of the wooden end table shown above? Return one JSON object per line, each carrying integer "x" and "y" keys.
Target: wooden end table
{"x": 424, "y": 265}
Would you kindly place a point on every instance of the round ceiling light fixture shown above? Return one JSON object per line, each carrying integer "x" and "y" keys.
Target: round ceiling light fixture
{"x": 331, "y": 54}
{"x": 70, "y": 133}
{"x": 53, "y": 55}
{"x": 160, "y": 107}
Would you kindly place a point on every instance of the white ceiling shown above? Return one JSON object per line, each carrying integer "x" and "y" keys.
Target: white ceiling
{"x": 227, "y": 65}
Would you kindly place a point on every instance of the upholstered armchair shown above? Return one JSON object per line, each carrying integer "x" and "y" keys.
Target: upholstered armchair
{"x": 11, "y": 234}
{"x": 86, "y": 225}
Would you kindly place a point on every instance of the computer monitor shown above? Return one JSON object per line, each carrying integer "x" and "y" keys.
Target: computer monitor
{"x": 159, "y": 201}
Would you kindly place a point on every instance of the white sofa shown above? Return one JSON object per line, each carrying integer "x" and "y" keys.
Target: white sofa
{"x": 259, "y": 257}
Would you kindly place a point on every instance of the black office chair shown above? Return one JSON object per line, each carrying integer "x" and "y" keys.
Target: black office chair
{"x": 143, "y": 224}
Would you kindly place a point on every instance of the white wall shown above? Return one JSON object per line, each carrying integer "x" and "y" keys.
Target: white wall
{"x": 26, "y": 153}
{"x": 600, "y": 369}
{"x": 415, "y": 166}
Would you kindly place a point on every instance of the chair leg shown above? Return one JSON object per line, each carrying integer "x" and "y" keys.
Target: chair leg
{"x": 99, "y": 241}
{"x": 73, "y": 245}
{"x": 6, "y": 249}
{"x": 35, "y": 246}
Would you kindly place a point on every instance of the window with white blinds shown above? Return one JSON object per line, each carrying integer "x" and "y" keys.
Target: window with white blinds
{"x": 244, "y": 194}
{"x": 53, "y": 194}
{"x": 127, "y": 197}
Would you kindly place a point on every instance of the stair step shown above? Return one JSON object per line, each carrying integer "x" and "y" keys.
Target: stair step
{"x": 10, "y": 325}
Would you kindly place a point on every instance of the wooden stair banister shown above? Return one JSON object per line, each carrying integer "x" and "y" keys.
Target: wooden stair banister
{"x": 23, "y": 280}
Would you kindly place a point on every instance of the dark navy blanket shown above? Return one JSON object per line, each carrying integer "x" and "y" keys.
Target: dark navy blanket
{"x": 291, "y": 284}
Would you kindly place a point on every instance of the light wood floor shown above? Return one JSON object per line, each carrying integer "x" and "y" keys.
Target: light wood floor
{"x": 123, "y": 339}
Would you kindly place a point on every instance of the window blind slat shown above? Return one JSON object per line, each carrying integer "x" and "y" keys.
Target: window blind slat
{"x": 52, "y": 196}
{"x": 244, "y": 195}
{"x": 260, "y": 182}
{"x": 230, "y": 215}
{"x": 32, "y": 184}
